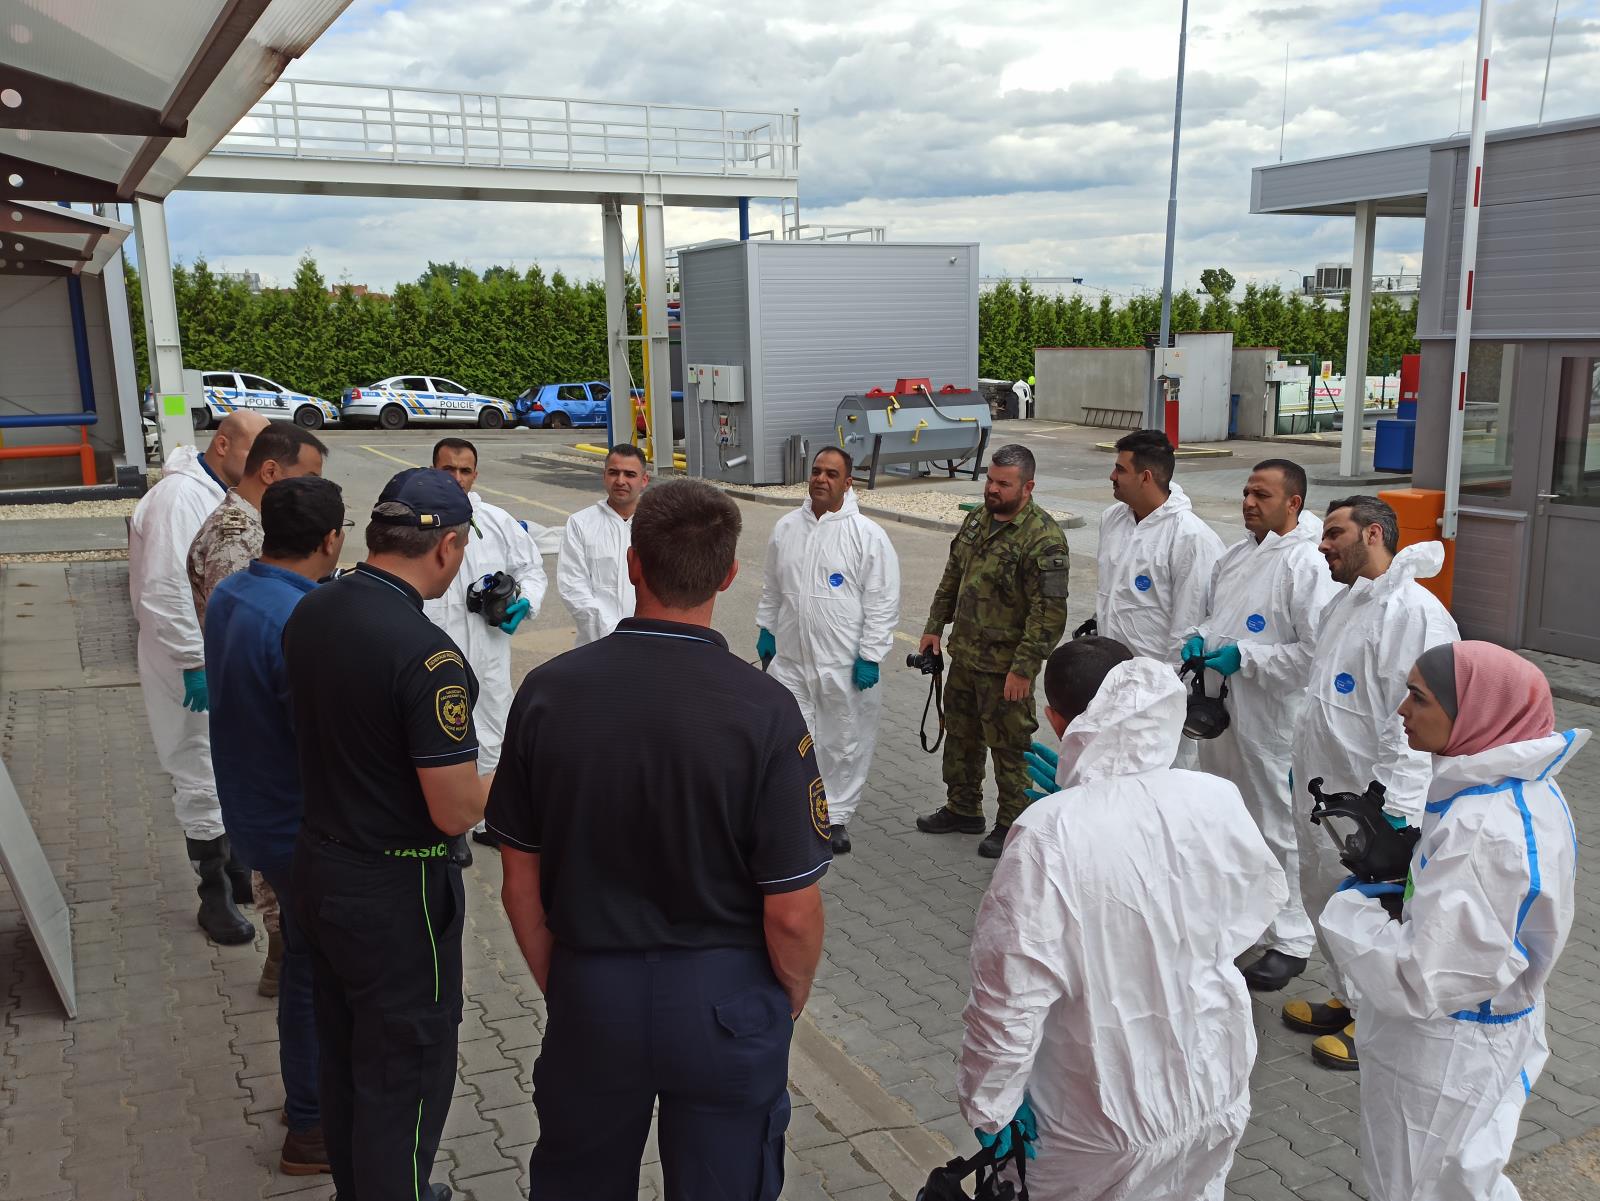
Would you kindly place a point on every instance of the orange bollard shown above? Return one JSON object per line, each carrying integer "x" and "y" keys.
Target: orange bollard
{"x": 1419, "y": 511}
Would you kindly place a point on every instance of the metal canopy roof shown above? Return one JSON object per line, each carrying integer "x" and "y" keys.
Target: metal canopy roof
{"x": 1395, "y": 178}
{"x": 46, "y": 239}
{"x": 105, "y": 102}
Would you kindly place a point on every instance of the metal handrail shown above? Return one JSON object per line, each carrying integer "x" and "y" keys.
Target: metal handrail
{"x": 324, "y": 120}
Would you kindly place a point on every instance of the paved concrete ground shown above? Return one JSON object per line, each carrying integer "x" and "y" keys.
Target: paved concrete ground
{"x": 166, "y": 1085}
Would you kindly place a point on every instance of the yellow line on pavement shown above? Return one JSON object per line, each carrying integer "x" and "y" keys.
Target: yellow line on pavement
{"x": 527, "y": 500}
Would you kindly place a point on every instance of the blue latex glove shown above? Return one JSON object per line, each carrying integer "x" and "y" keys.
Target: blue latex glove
{"x": 195, "y": 696}
{"x": 1195, "y": 648}
{"x": 766, "y": 645}
{"x": 1042, "y": 763}
{"x": 865, "y": 674}
{"x": 1383, "y": 889}
{"x": 515, "y": 612}
{"x": 1001, "y": 1142}
{"x": 1225, "y": 661}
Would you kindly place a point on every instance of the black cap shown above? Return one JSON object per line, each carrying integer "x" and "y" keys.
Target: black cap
{"x": 431, "y": 500}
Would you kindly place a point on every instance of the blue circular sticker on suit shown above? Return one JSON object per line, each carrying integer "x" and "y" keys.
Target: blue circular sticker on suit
{"x": 835, "y": 580}
{"x": 1142, "y": 583}
{"x": 1255, "y": 623}
{"x": 1344, "y": 682}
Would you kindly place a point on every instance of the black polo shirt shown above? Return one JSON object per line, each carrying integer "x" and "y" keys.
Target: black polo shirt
{"x": 377, "y": 691}
{"x": 666, "y": 785}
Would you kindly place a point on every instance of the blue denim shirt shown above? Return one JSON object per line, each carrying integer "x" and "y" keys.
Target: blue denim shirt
{"x": 252, "y": 735}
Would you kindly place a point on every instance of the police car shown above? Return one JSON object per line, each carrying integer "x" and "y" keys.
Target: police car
{"x": 403, "y": 400}
{"x": 235, "y": 391}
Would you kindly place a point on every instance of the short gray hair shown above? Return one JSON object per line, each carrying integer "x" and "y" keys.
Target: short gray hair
{"x": 405, "y": 541}
{"x": 1014, "y": 455}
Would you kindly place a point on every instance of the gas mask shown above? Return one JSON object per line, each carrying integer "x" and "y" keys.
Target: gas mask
{"x": 1368, "y": 844}
{"x": 492, "y": 595}
{"x": 1207, "y": 716}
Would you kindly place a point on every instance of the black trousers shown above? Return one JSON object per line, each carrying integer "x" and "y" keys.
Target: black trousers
{"x": 385, "y": 941}
{"x": 706, "y": 1032}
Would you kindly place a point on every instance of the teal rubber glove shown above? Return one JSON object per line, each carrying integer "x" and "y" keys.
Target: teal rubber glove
{"x": 1042, "y": 764}
{"x": 1225, "y": 661}
{"x": 766, "y": 645}
{"x": 515, "y": 612}
{"x": 865, "y": 674}
{"x": 195, "y": 696}
{"x": 1001, "y": 1142}
{"x": 1195, "y": 648}
{"x": 1395, "y": 820}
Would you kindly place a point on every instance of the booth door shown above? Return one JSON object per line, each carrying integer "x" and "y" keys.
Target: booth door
{"x": 1564, "y": 604}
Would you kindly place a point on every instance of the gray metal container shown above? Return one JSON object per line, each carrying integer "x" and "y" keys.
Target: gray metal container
{"x": 808, "y": 323}
{"x": 947, "y": 429}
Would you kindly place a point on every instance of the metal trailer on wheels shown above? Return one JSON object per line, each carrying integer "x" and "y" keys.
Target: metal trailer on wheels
{"x": 776, "y": 332}
{"x": 913, "y": 424}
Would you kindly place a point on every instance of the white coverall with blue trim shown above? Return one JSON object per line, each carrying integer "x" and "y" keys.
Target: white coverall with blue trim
{"x": 1450, "y": 999}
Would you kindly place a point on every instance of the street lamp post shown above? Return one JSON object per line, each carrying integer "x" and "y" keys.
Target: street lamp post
{"x": 1152, "y": 415}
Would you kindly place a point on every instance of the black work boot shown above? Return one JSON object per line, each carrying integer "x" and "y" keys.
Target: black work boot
{"x": 992, "y": 846}
{"x": 239, "y": 880}
{"x": 945, "y": 820}
{"x": 219, "y": 917}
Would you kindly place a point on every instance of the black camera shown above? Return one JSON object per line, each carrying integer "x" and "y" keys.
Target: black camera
{"x": 929, "y": 663}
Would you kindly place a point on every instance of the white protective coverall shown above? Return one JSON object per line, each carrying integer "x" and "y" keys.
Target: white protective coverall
{"x": 592, "y": 573}
{"x": 1267, "y": 598}
{"x": 1103, "y": 981}
{"x": 1349, "y": 730}
{"x": 1450, "y": 1001}
{"x": 165, "y": 521}
{"x": 498, "y": 544}
{"x": 1154, "y": 579}
{"x": 830, "y": 595}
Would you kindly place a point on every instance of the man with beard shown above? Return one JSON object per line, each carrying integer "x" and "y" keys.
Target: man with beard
{"x": 1350, "y": 731}
{"x": 1005, "y": 591}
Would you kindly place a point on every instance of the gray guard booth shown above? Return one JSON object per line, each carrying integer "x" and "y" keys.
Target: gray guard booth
{"x": 806, "y": 324}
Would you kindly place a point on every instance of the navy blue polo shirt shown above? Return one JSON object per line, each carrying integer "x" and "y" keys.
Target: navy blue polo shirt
{"x": 252, "y": 734}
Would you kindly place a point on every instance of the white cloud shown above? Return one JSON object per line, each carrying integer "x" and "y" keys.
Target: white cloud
{"x": 1040, "y": 132}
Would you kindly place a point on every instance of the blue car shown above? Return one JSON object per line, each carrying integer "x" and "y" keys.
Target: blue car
{"x": 563, "y": 406}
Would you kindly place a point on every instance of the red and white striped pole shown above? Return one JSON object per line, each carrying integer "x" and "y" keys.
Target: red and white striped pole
{"x": 1469, "y": 264}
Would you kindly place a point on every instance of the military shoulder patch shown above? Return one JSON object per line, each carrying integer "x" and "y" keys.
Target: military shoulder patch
{"x": 439, "y": 658}
{"x": 450, "y": 706}
{"x": 805, "y": 745}
{"x": 819, "y": 807}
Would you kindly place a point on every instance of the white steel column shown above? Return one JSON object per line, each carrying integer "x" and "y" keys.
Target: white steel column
{"x": 1355, "y": 350}
{"x": 124, "y": 369}
{"x": 617, "y": 321}
{"x": 653, "y": 270}
{"x": 161, "y": 322}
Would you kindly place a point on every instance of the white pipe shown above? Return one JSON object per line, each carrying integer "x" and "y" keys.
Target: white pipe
{"x": 1549, "y": 53}
{"x": 1469, "y": 263}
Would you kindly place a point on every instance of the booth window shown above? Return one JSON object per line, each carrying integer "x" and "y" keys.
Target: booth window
{"x": 1487, "y": 439}
{"x": 1575, "y": 468}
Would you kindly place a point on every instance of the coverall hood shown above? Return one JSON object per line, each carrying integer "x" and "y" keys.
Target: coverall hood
{"x": 1133, "y": 725}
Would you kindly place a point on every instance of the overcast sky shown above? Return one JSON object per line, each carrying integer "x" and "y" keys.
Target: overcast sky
{"x": 1041, "y": 131}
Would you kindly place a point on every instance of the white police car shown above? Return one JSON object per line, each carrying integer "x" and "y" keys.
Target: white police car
{"x": 236, "y": 391}
{"x": 403, "y": 400}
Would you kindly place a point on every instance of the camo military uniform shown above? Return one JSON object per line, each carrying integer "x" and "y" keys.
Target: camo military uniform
{"x": 1005, "y": 590}
{"x": 226, "y": 543}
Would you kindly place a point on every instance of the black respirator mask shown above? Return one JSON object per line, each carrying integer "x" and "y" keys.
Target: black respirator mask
{"x": 1207, "y": 716}
{"x": 1373, "y": 850}
{"x": 492, "y": 595}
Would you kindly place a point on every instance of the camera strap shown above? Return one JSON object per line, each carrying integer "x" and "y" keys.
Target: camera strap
{"x": 935, "y": 702}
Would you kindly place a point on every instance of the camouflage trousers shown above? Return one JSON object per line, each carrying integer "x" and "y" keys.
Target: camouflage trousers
{"x": 978, "y": 718}
{"x": 266, "y": 902}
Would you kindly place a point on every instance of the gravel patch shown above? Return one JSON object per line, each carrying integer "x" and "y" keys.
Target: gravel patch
{"x": 68, "y": 556}
{"x": 80, "y": 508}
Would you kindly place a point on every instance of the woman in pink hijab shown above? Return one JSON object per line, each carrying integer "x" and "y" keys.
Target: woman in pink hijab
{"x": 1450, "y": 998}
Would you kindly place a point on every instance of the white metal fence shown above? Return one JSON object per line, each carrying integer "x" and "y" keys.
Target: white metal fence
{"x": 315, "y": 119}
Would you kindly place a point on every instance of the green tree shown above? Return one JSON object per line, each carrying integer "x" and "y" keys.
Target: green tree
{"x": 1218, "y": 282}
